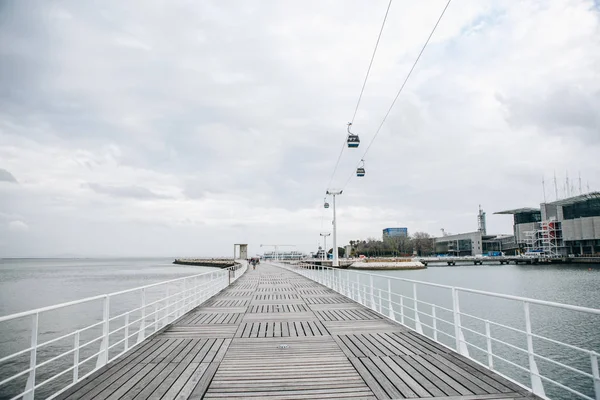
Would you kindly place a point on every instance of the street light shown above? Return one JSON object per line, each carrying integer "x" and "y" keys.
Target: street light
{"x": 335, "y": 251}
{"x": 324, "y": 234}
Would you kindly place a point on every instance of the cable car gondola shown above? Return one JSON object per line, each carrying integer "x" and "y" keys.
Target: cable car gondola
{"x": 360, "y": 171}
{"x": 353, "y": 140}
{"x": 326, "y": 204}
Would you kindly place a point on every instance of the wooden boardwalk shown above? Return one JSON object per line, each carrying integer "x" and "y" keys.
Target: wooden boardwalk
{"x": 276, "y": 335}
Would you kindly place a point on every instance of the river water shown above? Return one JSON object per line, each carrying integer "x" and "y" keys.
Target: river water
{"x": 31, "y": 283}
{"x": 26, "y": 284}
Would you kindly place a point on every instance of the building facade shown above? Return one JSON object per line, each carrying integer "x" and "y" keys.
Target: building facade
{"x": 568, "y": 226}
{"x": 395, "y": 232}
{"x": 475, "y": 244}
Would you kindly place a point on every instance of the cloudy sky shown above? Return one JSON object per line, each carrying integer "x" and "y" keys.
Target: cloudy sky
{"x": 176, "y": 128}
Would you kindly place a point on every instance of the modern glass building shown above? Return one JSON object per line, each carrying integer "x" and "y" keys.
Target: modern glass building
{"x": 395, "y": 232}
{"x": 563, "y": 227}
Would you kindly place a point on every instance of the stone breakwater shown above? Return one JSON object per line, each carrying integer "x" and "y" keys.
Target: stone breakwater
{"x": 206, "y": 262}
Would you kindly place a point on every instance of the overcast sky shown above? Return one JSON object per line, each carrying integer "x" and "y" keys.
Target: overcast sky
{"x": 178, "y": 128}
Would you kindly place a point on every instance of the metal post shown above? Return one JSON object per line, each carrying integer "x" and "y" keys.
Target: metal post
{"x": 126, "y": 331}
{"x": 461, "y": 346}
{"x": 358, "y": 288}
{"x": 335, "y": 250}
{"x": 390, "y": 305}
{"x": 155, "y": 317}
{"x": 32, "y": 357}
{"x": 348, "y": 292}
{"x": 435, "y": 335}
{"x": 380, "y": 309}
{"x": 488, "y": 336}
{"x": 76, "y": 357}
{"x": 536, "y": 382}
{"x": 103, "y": 356}
{"x": 595, "y": 373}
{"x": 371, "y": 292}
{"x": 166, "y": 322}
{"x": 418, "y": 326}
{"x": 142, "y": 331}
{"x": 402, "y": 309}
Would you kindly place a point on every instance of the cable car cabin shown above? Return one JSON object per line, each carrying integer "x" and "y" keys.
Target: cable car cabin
{"x": 326, "y": 205}
{"x": 360, "y": 172}
{"x": 353, "y": 141}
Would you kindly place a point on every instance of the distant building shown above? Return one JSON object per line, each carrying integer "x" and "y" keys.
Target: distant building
{"x": 395, "y": 232}
{"x": 560, "y": 228}
{"x": 474, "y": 244}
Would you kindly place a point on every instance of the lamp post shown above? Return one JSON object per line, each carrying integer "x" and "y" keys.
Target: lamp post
{"x": 335, "y": 251}
{"x": 324, "y": 234}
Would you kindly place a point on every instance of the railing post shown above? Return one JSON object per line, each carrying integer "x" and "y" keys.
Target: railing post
{"x": 358, "y": 288}
{"x": 595, "y": 374}
{"x": 32, "y": 357}
{"x": 348, "y": 292}
{"x": 76, "y": 357}
{"x": 488, "y": 337}
{"x": 390, "y": 305}
{"x": 126, "y": 331}
{"x": 418, "y": 326}
{"x": 142, "y": 331}
{"x": 103, "y": 356}
{"x": 380, "y": 308}
{"x": 168, "y": 306}
{"x": 402, "y": 309}
{"x": 434, "y": 322}
{"x": 155, "y": 317}
{"x": 372, "y": 300}
{"x": 536, "y": 382}
{"x": 461, "y": 346}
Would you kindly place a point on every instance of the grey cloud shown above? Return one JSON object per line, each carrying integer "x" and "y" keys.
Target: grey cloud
{"x": 6, "y": 176}
{"x": 566, "y": 111}
{"x": 132, "y": 192}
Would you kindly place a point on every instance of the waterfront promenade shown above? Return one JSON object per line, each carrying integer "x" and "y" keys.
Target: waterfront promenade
{"x": 277, "y": 335}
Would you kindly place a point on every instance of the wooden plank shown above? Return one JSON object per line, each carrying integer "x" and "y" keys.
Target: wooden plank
{"x": 203, "y": 382}
{"x": 142, "y": 383}
{"x": 229, "y": 347}
{"x": 440, "y": 374}
{"x": 424, "y": 380}
{"x": 368, "y": 378}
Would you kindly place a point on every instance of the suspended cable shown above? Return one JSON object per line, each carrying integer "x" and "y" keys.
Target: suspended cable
{"x": 361, "y": 91}
{"x": 337, "y": 163}
{"x": 400, "y": 90}
{"x": 371, "y": 63}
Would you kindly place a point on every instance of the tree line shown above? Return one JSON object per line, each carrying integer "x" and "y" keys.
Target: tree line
{"x": 419, "y": 243}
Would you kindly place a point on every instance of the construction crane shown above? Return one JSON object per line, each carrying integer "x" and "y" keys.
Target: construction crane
{"x": 276, "y": 246}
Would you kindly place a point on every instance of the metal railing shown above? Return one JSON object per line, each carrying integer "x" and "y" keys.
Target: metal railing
{"x": 406, "y": 308}
{"x": 76, "y": 353}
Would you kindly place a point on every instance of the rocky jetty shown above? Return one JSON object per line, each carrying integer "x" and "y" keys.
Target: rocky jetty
{"x": 206, "y": 262}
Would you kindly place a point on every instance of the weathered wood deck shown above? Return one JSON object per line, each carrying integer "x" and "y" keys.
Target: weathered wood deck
{"x": 277, "y": 335}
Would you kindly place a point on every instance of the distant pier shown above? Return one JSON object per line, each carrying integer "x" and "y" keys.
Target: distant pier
{"x": 509, "y": 259}
{"x": 206, "y": 262}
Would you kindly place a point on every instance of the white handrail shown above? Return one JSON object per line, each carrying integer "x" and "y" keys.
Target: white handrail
{"x": 190, "y": 292}
{"x": 388, "y": 306}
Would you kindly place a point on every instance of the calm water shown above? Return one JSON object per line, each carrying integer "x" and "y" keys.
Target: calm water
{"x": 32, "y": 283}
{"x": 27, "y": 284}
